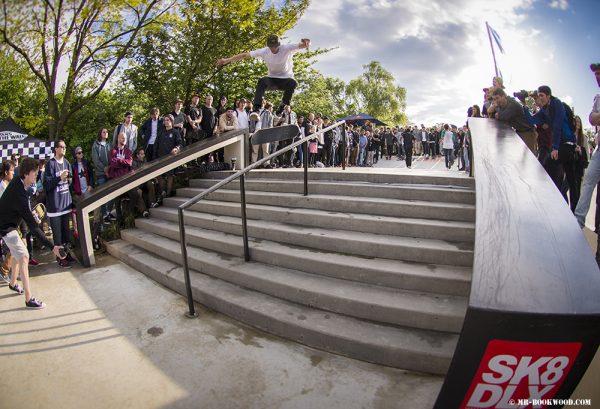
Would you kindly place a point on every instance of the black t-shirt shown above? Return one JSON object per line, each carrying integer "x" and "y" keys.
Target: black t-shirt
{"x": 209, "y": 119}
{"x": 194, "y": 113}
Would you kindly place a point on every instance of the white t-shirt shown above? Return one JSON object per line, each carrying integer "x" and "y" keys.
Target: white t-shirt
{"x": 3, "y": 186}
{"x": 448, "y": 140}
{"x": 279, "y": 65}
{"x": 242, "y": 117}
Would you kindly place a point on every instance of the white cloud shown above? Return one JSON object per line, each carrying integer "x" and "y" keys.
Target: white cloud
{"x": 559, "y": 4}
{"x": 438, "y": 50}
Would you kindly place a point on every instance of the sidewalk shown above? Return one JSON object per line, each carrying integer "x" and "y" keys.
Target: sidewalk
{"x": 112, "y": 338}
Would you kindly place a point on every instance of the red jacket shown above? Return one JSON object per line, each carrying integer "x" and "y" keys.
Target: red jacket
{"x": 119, "y": 162}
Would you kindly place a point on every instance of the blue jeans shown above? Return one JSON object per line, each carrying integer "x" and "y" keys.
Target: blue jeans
{"x": 361, "y": 157}
{"x": 590, "y": 180}
{"x": 106, "y": 208}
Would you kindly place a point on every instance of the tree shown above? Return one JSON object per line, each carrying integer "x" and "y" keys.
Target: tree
{"x": 376, "y": 94}
{"x": 86, "y": 38}
{"x": 180, "y": 58}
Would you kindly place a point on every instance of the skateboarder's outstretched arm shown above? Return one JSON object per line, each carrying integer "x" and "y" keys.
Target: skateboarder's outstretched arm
{"x": 237, "y": 57}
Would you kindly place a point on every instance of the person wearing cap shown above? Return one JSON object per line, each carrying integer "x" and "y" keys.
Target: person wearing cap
{"x": 130, "y": 130}
{"x": 193, "y": 116}
{"x": 149, "y": 131}
{"x": 564, "y": 141}
{"x": 592, "y": 173}
{"x": 280, "y": 70}
{"x": 228, "y": 121}
{"x": 83, "y": 176}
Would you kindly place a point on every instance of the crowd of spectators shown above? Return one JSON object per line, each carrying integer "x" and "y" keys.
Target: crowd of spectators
{"x": 546, "y": 125}
{"x": 550, "y": 130}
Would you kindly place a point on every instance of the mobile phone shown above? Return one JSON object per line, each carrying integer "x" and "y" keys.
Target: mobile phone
{"x": 62, "y": 252}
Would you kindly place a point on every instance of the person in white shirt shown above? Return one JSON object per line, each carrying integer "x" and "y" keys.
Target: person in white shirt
{"x": 280, "y": 70}
{"x": 448, "y": 146}
{"x": 130, "y": 130}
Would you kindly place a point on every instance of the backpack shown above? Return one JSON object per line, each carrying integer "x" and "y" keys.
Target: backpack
{"x": 570, "y": 117}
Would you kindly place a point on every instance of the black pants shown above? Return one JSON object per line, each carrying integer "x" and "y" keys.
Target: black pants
{"x": 565, "y": 167}
{"x": 60, "y": 229}
{"x": 287, "y": 85}
{"x": 408, "y": 150}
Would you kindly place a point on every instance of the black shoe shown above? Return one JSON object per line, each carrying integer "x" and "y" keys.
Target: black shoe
{"x": 34, "y": 304}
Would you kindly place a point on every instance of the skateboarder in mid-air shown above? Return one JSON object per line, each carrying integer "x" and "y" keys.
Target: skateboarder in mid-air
{"x": 280, "y": 70}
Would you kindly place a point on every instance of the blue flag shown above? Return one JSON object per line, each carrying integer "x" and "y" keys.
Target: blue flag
{"x": 496, "y": 38}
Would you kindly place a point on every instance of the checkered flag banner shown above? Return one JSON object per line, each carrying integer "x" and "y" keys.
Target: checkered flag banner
{"x": 33, "y": 149}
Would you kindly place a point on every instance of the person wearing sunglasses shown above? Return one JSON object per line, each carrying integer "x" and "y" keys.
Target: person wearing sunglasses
{"x": 58, "y": 177}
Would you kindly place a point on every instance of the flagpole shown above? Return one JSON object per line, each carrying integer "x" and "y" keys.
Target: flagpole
{"x": 492, "y": 47}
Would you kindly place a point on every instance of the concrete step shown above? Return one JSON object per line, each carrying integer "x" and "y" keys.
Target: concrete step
{"x": 371, "y": 176}
{"x": 407, "y": 348}
{"x": 341, "y": 241}
{"x": 433, "y": 278}
{"x": 347, "y": 204}
{"x": 428, "y": 193}
{"x": 409, "y": 227}
{"x": 375, "y": 303}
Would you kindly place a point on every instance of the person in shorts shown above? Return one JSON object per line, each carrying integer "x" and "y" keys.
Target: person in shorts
{"x": 14, "y": 208}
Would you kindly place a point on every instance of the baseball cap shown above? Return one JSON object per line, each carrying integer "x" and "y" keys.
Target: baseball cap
{"x": 273, "y": 41}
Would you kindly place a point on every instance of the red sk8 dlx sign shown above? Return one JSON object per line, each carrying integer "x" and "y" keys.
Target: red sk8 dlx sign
{"x": 513, "y": 371}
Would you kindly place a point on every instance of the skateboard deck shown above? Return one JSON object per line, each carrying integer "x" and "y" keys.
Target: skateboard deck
{"x": 279, "y": 133}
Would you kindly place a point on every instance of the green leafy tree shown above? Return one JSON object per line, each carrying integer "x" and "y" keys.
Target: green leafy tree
{"x": 376, "y": 94}
{"x": 180, "y": 58}
{"x": 86, "y": 39}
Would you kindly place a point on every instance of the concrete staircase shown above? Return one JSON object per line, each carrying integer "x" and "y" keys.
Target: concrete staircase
{"x": 375, "y": 267}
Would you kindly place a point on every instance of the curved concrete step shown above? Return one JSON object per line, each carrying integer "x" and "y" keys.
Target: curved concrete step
{"x": 380, "y": 304}
{"x": 347, "y": 204}
{"x": 341, "y": 241}
{"x": 448, "y": 230}
{"x": 406, "y": 348}
{"x": 433, "y": 278}
{"x": 431, "y": 193}
{"x": 370, "y": 175}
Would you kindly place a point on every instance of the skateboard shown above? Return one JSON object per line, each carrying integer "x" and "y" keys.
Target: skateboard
{"x": 279, "y": 133}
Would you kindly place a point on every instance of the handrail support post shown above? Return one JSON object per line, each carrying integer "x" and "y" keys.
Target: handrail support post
{"x": 244, "y": 221}
{"x": 186, "y": 271}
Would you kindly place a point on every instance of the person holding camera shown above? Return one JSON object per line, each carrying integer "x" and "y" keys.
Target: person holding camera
{"x": 57, "y": 179}
{"x": 507, "y": 109}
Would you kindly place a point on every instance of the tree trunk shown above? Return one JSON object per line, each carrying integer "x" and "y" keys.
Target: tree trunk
{"x": 53, "y": 122}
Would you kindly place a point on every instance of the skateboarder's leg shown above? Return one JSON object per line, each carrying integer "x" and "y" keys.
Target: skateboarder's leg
{"x": 261, "y": 86}
{"x": 287, "y": 85}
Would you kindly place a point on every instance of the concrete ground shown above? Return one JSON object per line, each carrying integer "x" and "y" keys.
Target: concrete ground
{"x": 112, "y": 338}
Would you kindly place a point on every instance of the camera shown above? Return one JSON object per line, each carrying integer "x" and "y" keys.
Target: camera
{"x": 521, "y": 95}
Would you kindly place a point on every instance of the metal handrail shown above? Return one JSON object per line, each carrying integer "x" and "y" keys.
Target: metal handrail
{"x": 241, "y": 175}
{"x": 118, "y": 186}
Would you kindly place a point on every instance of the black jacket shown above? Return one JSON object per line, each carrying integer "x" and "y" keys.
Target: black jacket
{"x": 14, "y": 208}
{"x": 166, "y": 141}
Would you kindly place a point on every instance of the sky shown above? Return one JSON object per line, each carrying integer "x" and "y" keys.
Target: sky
{"x": 440, "y": 52}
